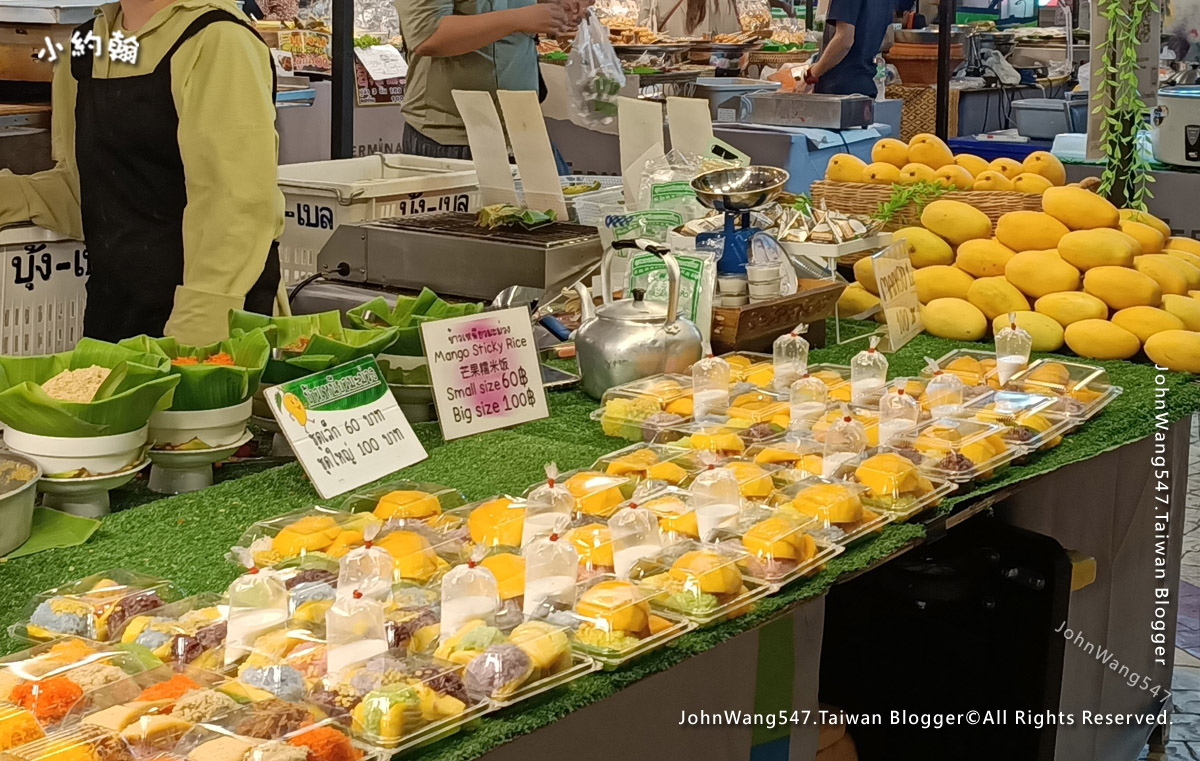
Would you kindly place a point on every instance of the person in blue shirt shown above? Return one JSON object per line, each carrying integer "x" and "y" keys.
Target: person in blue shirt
{"x": 854, "y": 31}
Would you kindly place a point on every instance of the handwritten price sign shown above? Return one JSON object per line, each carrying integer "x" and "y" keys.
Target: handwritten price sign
{"x": 345, "y": 426}
{"x": 485, "y": 372}
{"x": 897, "y": 295}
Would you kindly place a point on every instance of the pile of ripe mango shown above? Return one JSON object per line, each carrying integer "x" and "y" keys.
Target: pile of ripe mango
{"x": 925, "y": 158}
{"x": 1108, "y": 283}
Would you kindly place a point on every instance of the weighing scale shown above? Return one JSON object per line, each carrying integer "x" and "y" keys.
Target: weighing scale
{"x": 176, "y": 471}
{"x": 736, "y": 193}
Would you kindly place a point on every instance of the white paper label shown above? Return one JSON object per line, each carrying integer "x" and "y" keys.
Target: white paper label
{"x": 485, "y": 372}
{"x": 382, "y": 62}
{"x": 345, "y": 426}
{"x": 898, "y": 295}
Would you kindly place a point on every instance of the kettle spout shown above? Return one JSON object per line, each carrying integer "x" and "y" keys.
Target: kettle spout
{"x": 587, "y": 310}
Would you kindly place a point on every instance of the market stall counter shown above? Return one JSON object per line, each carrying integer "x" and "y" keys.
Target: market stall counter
{"x": 184, "y": 539}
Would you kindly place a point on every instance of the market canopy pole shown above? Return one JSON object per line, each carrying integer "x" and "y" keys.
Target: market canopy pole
{"x": 341, "y": 132}
{"x": 808, "y": 13}
{"x": 945, "y": 28}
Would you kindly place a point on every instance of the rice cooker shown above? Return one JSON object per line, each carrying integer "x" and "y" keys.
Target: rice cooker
{"x": 1176, "y": 126}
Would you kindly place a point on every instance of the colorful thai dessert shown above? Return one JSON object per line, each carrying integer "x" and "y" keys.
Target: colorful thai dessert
{"x": 220, "y": 358}
{"x": 760, "y": 407}
{"x": 161, "y": 713}
{"x": 867, "y": 416}
{"x": 615, "y": 617}
{"x": 962, "y": 450}
{"x": 414, "y": 552}
{"x": 676, "y": 518}
{"x": 50, "y": 684}
{"x": 283, "y": 664}
{"x": 703, "y": 583}
{"x": 496, "y": 664}
{"x": 313, "y": 536}
{"x": 777, "y": 546}
{"x": 18, "y": 726}
{"x": 730, "y": 438}
{"x": 645, "y": 464}
{"x": 96, "y": 608}
{"x": 311, "y": 592}
{"x": 411, "y": 620}
{"x": 795, "y": 460}
{"x": 974, "y": 372}
{"x": 388, "y": 700}
{"x": 833, "y": 502}
{"x": 195, "y": 636}
{"x": 325, "y": 743}
{"x": 76, "y": 744}
{"x": 893, "y": 482}
{"x": 639, "y": 410}
{"x": 754, "y": 481}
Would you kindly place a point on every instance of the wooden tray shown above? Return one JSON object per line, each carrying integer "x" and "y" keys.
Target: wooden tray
{"x": 755, "y": 327}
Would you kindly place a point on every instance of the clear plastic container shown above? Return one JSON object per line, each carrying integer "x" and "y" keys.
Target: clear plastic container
{"x": 868, "y": 374}
{"x": 354, "y": 632}
{"x": 48, "y": 680}
{"x": 636, "y": 411}
{"x": 397, "y": 702}
{"x": 635, "y": 536}
{"x": 712, "y": 378}
{"x": 808, "y": 400}
{"x": 412, "y": 500}
{"x": 311, "y": 538}
{"x": 893, "y": 483}
{"x": 189, "y": 631}
{"x": 593, "y": 544}
{"x": 1013, "y": 345}
{"x": 836, "y": 504}
{"x": 283, "y": 663}
{"x": 507, "y": 665}
{"x": 1033, "y": 421}
{"x": 468, "y": 593}
{"x": 672, "y": 507}
{"x": 649, "y": 462}
{"x": 778, "y": 546}
{"x": 727, "y": 436}
{"x": 551, "y": 571}
{"x": 836, "y": 377}
{"x": 498, "y": 521}
{"x": 421, "y": 552}
{"x": 899, "y": 413}
{"x": 790, "y": 460}
{"x": 258, "y": 603}
{"x": 329, "y": 740}
{"x": 597, "y": 493}
{"x": 867, "y": 416}
{"x": 1086, "y": 389}
{"x": 412, "y": 619}
{"x": 258, "y": 730}
{"x": 974, "y": 367}
{"x": 959, "y": 450}
{"x": 310, "y": 591}
{"x": 702, "y": 582}
{"x": 18, "y": 727}
{"x": 548, "y": 507}
{"x": 612, "y": 622}
{"x": 152, "y": 711}
{"x": 758, "y": 406}
{"x": 84, "y": 743}
{"x": 755, "y": 368}
{"x": 790, "y": 357}
{"x": 96, "y": 607}
{"x": 508, "y": 566}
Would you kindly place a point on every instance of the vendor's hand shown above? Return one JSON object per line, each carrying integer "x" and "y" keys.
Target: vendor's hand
{"x": 576, "y": 9}
{"x": 545, "y": 19}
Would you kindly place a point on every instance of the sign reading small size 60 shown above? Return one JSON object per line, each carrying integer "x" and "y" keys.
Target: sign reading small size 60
{"x": 345, "y": 426}
{"x": 897, "y": 295}
{"x": 485, "y": 371}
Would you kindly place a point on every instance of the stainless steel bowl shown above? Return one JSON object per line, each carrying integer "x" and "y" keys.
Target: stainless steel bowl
{"x": 739, "y": 189}
{"x": 18, "y": 489}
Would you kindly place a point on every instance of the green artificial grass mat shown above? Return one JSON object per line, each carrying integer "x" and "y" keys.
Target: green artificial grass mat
{"x": 184, "y": 538}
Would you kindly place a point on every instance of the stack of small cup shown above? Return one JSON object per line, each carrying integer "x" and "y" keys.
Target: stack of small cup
{"x": 765, "y": 281}
{"x": 733, "y": 291}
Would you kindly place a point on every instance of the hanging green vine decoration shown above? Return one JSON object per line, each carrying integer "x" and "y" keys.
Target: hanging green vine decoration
{"x": 1126, "y": 177}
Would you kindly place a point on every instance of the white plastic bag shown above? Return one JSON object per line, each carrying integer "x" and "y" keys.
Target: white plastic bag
{"x": 594, "y": 74}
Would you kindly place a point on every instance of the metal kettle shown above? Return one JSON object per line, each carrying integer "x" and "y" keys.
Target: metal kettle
{"x": 622, "y": 341}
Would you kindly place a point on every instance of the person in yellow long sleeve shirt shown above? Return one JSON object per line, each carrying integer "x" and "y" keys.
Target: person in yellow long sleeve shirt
{"x": 166, "y": 167}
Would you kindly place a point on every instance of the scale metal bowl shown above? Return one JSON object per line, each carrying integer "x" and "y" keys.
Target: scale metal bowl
{"x": 740, "y": 189}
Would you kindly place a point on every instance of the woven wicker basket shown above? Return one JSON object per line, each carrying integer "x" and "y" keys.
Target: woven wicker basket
{"x": 777, "y": 59}
{"x": 864, "y": 198}
{"x": 919, "y": 110}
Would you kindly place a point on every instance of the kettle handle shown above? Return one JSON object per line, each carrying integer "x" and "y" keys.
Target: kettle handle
{"x": 673, "y": 282}
{"x": 587, "y": 309}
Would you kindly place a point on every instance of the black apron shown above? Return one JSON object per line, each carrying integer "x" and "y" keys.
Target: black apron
{"x": 132, "y": 193}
